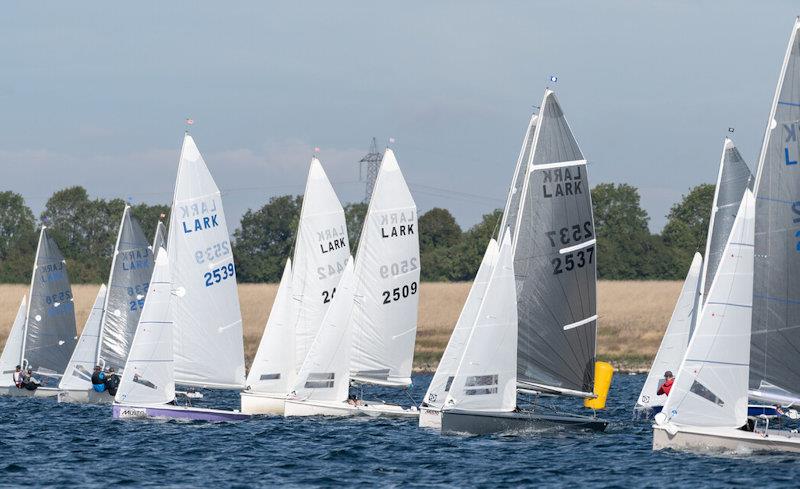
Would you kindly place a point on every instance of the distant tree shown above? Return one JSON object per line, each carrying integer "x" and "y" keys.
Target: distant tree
{"x": 265, "y": 239}
{"x": 438, "y": 228}
{"x": 17, "y": 238}
{"x": 687, "y": 227}
{"x": 354, "y": 214}
{"x": 460, "y": 261}
{"x": 149, "y": 215}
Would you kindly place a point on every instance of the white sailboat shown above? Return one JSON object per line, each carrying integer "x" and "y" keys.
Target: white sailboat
{"x": 206, "y": 323}
{"x": 108, "y": 333}
{"x": 430, "y": 415}
{"x": 159, "y": 238}
{"x": 387, "y": 273}
{"x": 308, "y": 286}
{"x": 44, "y": 338}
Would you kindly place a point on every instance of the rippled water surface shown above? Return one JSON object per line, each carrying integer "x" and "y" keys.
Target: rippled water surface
{"x": 47, "y": 444}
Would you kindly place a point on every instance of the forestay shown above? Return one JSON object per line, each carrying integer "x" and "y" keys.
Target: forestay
{"x": 676, "y": 337}
{"x": 208, "y": 323}
{"x": 387, "y": 274}
{"x": 78, "y": 374}
{"x": 273, "y": 369}
{"x": 517, "y": 181}
{"x": 775, "y": 347}
{"x": 50, "y": 333}
{"x": 446, "y": 370}
{"x": 131, "y": 268}
{"x": 148, "y": 377}
{"x": 9, "y": 359}
{"x": 321, "y": 251}
{"x": 711, "y": 386}
{"x": 733, "y": 179}
{"x": 324, "y": 374}
{"x": 554, "y": 261}
{"x": 487, "y": 373}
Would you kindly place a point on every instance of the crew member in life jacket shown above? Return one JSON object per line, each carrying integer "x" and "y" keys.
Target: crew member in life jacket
{"x": 667, "y": 385}
{"x": 17, "y": 376}
{"x": 112, "y": 382}
{"x": 98, "y": 379}
{"x": 29, "y": 381}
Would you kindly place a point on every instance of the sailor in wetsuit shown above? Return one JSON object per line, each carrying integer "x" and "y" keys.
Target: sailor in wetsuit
{"x": 17, "y": 376}
{"x": 112, "y": 382}
{"x": 98, "y": 379}
{"x": 29, "y": 381}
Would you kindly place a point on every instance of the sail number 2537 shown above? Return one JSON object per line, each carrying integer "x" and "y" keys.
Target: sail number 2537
{"x": 570, "y": 261}
{"x": 572, "y": 234}
{"x": 398, "y": 293}
{"x": 219, "y": 274}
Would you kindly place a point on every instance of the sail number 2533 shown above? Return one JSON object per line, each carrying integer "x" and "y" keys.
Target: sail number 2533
{"x": 398, "y": 293}
{"x": 570, "y": 261}
{"x": 219, "y": 274}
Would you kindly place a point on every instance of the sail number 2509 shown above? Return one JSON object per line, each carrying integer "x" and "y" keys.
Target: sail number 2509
{"x": 219, "y": 274}
{"x": 398, "y": 293}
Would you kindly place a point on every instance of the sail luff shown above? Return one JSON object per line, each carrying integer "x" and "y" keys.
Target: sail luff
{"x": 514, "y": 192}
{"x": 110, "y": 284}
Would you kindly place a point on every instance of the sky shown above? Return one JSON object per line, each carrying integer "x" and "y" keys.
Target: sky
{"x": 96, "y": 94}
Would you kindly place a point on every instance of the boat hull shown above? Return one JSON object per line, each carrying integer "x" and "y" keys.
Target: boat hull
{"x": 724, "y": 440}
{"x": 252, "y": 403}
{"x": 167, "y": 411}
{"x": 13, "y": 391}
{"x": 430, "y": 418}
{"x": 84, "y": 396}
{"x": 485, "y": 423}
{"x": 343, "y": 409}
{"x": 752, "y": 410}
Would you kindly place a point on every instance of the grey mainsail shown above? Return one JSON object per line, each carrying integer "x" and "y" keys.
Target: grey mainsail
{"x": 775, "y": 340}
{"x": 515, "y": 191}
{"x": 131, "y": 268}
{"x": 733, "y": 179}
{"x": 50, "y": 333}
{"x": 554, "y": 262}
{"x": 160, "y": 239}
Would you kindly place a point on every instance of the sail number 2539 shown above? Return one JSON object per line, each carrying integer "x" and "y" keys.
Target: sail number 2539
{"x": 219, "y": 274}
{"x": 398, "y": 293}
{"x": 570, "y": 261}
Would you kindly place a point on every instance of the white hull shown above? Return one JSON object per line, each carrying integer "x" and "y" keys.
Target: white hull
{"x": 84, "y": 396}
{"x": 13, "y": 391}
{"x": 253, "y": 403}
{"x": 341, "y": 409}
{"x": 724, "y": 440}
{"x": 430, "y": 418}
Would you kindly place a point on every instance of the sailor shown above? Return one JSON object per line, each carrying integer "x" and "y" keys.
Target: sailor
{"x": 98, "y": 379}
{"x": 667, "y": 385}
{"x": 29, "y": 381}
{"x": 17, "y": 376}
{"x": 112, "y": 382}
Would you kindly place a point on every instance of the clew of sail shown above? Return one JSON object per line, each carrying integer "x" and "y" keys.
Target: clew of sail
{"x": 387, "y": 274}
{"x": 131, "y": 268}
{"x": 676, "y": 337}
{"x": 148, "y": 377}
{"x": 78, "y": 374}
{"x": 273, "y": 369}
{"x": 554, "y": 262}
{"x": 711, "y": 385}
{"x": 486, "y": 376}
{"x": 9, "y": 359}
{"x": 321, "y": 252}
{"x": 324, "y": 373}
{"x": 443, "y": 378}
{"x": 208, "y": 346}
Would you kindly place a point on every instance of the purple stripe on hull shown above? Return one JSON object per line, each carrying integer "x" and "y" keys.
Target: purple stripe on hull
{"x": 133, "y": 412}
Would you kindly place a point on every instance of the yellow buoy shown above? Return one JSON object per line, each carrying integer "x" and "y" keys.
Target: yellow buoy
{"x": 603, "y": 372}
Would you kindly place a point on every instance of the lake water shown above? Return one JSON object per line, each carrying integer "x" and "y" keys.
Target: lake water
{"x": 47, "y": 444}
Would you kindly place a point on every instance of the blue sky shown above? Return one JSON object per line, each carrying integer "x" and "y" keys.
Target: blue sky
{"x": 96, "y": 94}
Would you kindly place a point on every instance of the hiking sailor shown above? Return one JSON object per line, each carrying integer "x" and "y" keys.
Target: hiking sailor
{"x": 98, "y": 379}
{"x": 112, "y": 382}
{"x": 29, "y": 381}
{"x": 17, "y": 376}
{"x": 667, "y": 385}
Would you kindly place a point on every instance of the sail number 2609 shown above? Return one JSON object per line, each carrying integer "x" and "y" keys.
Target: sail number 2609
{"x": 219, "y": 274}
{"x": 398, "y": 293}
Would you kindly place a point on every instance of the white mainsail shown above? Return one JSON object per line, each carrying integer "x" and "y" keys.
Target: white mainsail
{"x": 78, "y": 374}
{"x": 208, "y": 338}
{"x": 324, "y": 373}
{"x": 148, "y": 377}
{"x": 321, "y": 252}
{"x": 448, "y": 365}
{"x": 486, "y": 379}
{"x": 9, "y": 359}
{"x": 273, "y": 369}
{"x": 387, "y": 275}
{"x": 711, "y": 385}
{"x": 676, "y": 337}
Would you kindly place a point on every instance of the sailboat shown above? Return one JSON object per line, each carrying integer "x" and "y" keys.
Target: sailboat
{"x": 552, "y": 248}
{"x": 430, "y": 415}
{"x": 160, "y": 238}
{"x": 744, "y": 344}
{"x": 44, "y": 335}
{"x": 106, "y": 338}
{"x": 733, "y": 179}
{"x": 203, "y": 316}
{"x": 387, "y": 273}
{"x": 307, "y": 288}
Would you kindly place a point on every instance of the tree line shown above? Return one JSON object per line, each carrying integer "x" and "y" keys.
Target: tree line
{"x": 86, "y": 230}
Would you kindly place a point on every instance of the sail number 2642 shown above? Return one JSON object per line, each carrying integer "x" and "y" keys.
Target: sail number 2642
{"x": 219, "y": 274}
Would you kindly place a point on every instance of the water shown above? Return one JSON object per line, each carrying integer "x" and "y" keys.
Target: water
{"x": 47, "y": 444}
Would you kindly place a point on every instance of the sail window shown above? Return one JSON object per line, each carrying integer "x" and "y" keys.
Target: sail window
{"x": 705, "y": 393}
{"x": 144, "y": 382}
{"x": 269, "y": 377}
{"x": 320, "y": 381}
{"x": 477, "y": 385}
{"x": 449, "y": 383}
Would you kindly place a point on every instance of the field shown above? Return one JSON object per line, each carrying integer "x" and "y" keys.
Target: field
{"x": 633, "y": 315}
